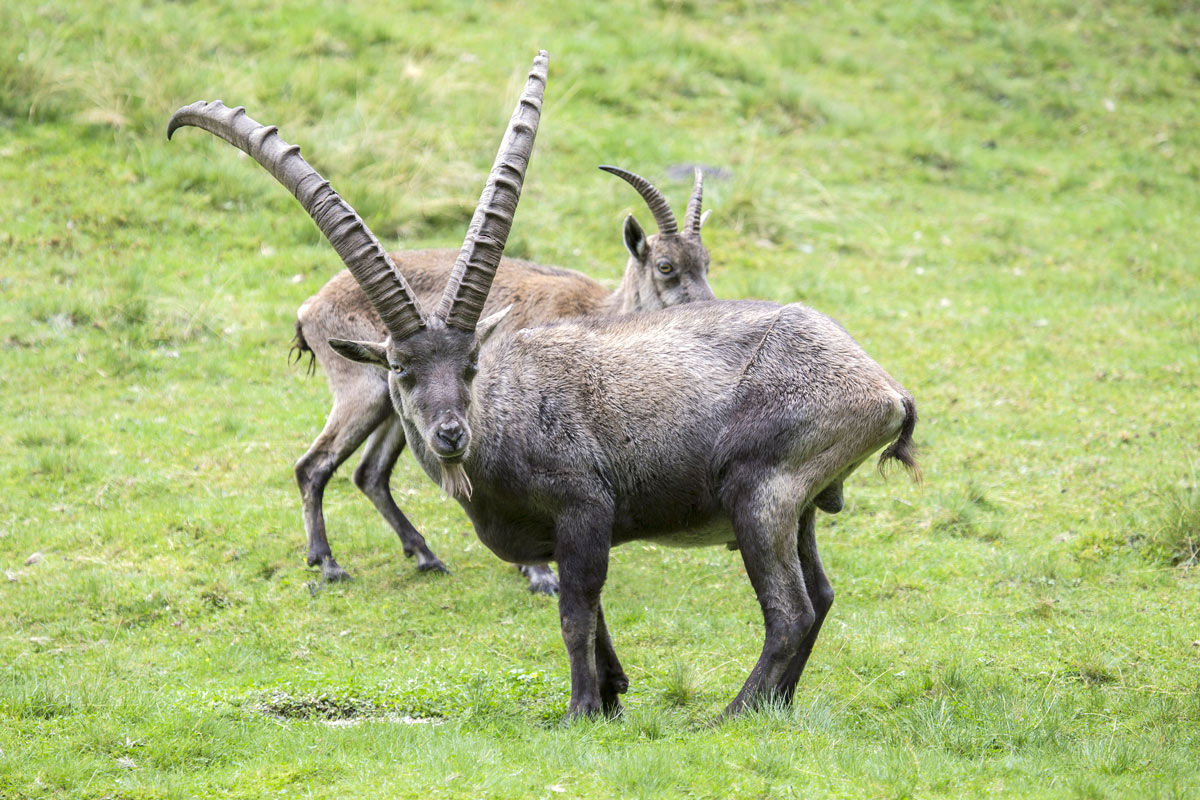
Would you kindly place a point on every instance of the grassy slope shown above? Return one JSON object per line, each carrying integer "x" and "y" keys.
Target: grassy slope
{"x": 998, "y": 202}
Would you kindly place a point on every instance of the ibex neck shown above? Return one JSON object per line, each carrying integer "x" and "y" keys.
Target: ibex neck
{"x": 632, "y": 295}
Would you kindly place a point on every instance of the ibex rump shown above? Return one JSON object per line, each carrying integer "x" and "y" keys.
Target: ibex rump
{"x": 715, "y": 422}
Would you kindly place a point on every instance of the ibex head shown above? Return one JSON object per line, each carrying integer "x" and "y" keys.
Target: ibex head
{"x": 430, "y": 359}
{"x": 667, "y": 268}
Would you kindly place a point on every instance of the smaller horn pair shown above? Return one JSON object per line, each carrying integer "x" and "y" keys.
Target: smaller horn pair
{"x": 664, "y": 218}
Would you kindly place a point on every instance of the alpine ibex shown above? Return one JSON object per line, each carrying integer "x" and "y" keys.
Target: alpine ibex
{"x": 664, "y": 269}
{"x": 709, "y": 423}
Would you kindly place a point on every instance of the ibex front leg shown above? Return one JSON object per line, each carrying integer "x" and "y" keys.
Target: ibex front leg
{"x": 581, "y": 550}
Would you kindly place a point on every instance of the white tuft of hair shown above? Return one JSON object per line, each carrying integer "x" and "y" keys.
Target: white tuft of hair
{"x": 455, "y": 481}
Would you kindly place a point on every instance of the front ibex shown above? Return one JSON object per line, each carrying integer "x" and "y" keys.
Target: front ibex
{"x": 664, "y": 269}
{"x": 710, "y": 423}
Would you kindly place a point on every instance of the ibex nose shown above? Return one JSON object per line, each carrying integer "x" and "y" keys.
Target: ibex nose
{"x": 451, "y": 436}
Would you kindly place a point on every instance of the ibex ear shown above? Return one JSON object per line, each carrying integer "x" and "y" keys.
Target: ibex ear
{"x": 635, "y": 238}
{"x": 362, "y": 352}
{"x": 487, "y": 326}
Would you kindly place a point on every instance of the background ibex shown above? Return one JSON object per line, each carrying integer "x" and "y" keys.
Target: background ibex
{"x": 664, "y": 269}
{"x": 710, "y": 423}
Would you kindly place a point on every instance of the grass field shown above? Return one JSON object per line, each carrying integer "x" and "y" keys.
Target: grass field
{"x": 999, "y": 201}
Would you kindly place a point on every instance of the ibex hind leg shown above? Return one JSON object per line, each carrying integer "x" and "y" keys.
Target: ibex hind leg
{"x": 830, "y": 463}
{"x": 820, "y": 595}
{"x": 764, "y": 516}
{"x": 373, "y": 477}
{"x": 347, "y": 427}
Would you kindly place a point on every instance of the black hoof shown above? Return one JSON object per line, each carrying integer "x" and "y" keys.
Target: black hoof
{"x": 582, "y": 712}
{"x": 541, "y": 580}
{"x": 548, "y": 589}
{"x": 332, "y": 573}
{"x": 431, "y": 564}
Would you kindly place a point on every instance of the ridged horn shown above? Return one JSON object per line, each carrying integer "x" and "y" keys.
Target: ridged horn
{"x": 475, "y": 267}
{"x": 691, "y": 220}
{"x": 659, "y": 207}
{"x": 370, "y": 264}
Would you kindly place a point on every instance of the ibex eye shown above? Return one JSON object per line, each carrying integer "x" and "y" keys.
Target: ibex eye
{"x": 665, "y": 267}
{"x": 400, "y": 370}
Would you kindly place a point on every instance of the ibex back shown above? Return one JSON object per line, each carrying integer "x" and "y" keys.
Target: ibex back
{"x": 714, "y": 422}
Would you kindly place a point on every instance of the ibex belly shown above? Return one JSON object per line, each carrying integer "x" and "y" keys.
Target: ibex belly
{"x": 701, "y": 523}
{"x": 715, "y": 531}
{"x": 511, "y": 538}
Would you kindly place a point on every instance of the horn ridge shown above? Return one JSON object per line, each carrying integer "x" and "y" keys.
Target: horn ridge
{"x": 693, "y": 217}
{"x": 471, "y": 279}
{"x": 346, "y": 231}
{"x": 664, "y": 218}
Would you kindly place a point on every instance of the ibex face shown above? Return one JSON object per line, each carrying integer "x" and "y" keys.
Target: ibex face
{"x": 429, "y": 379}
{"x": 668, "y": 268}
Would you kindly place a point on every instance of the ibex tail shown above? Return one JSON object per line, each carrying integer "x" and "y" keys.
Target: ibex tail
{"x": 903, "y": 449}
{"x": 299, "y": 348}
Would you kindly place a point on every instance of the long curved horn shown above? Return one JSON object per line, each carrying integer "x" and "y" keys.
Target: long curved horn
{"x": 692, "y": 221}
{"x": 663, "y": 216}
{"x": 370, "y": 264}
{"x": 471, "y": 278}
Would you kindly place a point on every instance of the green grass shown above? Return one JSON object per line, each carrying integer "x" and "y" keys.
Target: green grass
{"x": 999, "y": 201}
